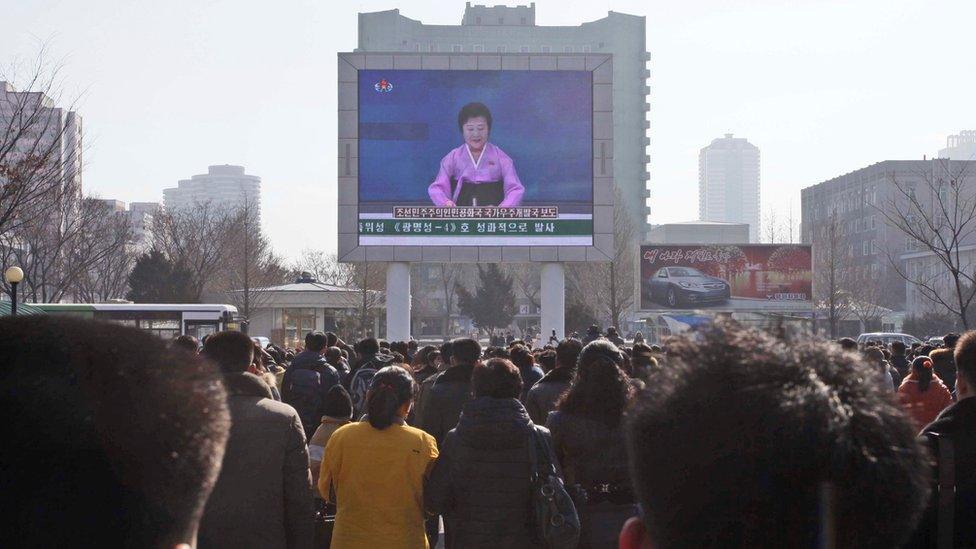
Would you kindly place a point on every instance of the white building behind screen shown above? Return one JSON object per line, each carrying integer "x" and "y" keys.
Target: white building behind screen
{"x": 960, "y": 147}
{"x": 225, "y": 186}
{"x": 728, "y": 183}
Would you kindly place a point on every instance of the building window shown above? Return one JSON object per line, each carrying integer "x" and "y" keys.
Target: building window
{"x": 457, "y": 48}
{"x": 545, "y": 49}
{"x": 587, "y": 48}
{"x": 501, "y": 20}
{"x": 500, "y": 49}
{"x": 478, "y": 48}
{"x": 523, "y": 20}
{"x": 296, "y": 324}
{"x": 568, "y": 49}
{"x": 477, "y": 20}
{"x": 524, "y": 49}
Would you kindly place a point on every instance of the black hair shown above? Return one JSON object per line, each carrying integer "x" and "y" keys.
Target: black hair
{"x": 547, "y": 360}
{"x": 368, "y": 346}
{"x": 232, "y": 351}
{"x": 337, "y": 402}
{"x": 965, "y": 357}
{"x": 847, "y": 344}
{"x": 465, "y": 351}
{"x": 118, "y": 437}
{"x": 316, "y": 341}
{"x": 950, "y": 339}
{"x": 522, "y": 357}
{"x": 333, "y": 353}
{"x": 473, "y": 110}
{"x": 431, "y": 358}
{"x": 601, "y": 389}
{"x": 496, "y": 378}
{"x": 898, "y": 347}
{"x": 187, "y": 343}
{"x": 390, "y": 388}
{"x": 922, "y": 368}
{"x": 447, "y": 351}
{"x": 758, "y": 435}
{"x": 567, "y": 352}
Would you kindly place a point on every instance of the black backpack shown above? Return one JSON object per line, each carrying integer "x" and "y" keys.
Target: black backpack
{"x": 303, "y": 392}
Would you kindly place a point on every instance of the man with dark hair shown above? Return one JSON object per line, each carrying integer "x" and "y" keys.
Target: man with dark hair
{"x": 263, "y": 497}
{"x": 187, "y": 343}
{"x": 952, "y": 441}
{"x": 370, "y": 359}
{"x": 333, "y": 355}
{"x": 847, "y": 344}
{"x": 113, "y": 438}
{"x": 451, "y": 390}
{"x": 523, "y": 359}
{"x": 541, "y": 399}
{"x": 898, "y": 359}
{"x": 481, "y": 481}
{"x": 308, "y": 380}
{"x": 748, "y": 441}
{"x": 424, "y": 391}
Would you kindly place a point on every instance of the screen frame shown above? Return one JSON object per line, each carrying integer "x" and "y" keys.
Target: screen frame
{"x": 349, "y": 65}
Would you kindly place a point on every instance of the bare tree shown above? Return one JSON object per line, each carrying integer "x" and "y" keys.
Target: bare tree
{"x": 251, "y": 267}
{"x": 831, "y": 260}
{"x": 196, "y": 238}
{"x": 61, "y": 247}
{"x": 40, "y": 164}
{"x": 936, "y": 212}
{"x": 324, "y": 267}
{"x": 109, "y": 278}
{"x": 369, "y": 278}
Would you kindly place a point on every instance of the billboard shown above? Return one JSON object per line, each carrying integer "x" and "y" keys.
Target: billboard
{"x": 470, "y": 157}
{"x": 475, "y": 157}
{"x": 724, "y": 277}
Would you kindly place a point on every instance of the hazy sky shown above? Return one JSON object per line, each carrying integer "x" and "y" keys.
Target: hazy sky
{"x": 822, "y": 88}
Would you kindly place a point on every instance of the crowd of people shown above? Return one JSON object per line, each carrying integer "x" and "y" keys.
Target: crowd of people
{"x": 725, "y": 436}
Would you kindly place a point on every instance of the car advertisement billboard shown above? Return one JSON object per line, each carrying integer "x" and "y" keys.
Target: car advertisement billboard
{"x": 475, "y": 157}
{"x": 746, "y": 277}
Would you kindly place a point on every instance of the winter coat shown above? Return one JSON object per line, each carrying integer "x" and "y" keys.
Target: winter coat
{"x": 901, "y": 364}
{"x": 924, "y": 407}
{"x": 481, "y": 482}
{"x": 957, "y": 423}
{"x": 444, "y": 400}
{"x": 378, "y": 479}
{"x": 316, "y": 444}
{"x": 263, "y": 496}
{"x": 944, "y": 365}
{"x": 543, "y": 396}
{"x": 593, "y": 456}
{"x": 530, "y": 376}
{"x": 304, "y": 386}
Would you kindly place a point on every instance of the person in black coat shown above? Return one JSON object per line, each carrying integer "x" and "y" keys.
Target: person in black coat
{"x": 481, "y": 481}
{"x": 587, "y": 435}
{"x": 450, "y": 390}
{"x": 541, "y": 399}
{"x": 957, "y": 425}
{"x": 308, "y": 380}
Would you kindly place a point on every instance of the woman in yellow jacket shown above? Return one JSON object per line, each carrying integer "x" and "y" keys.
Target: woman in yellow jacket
{"x": 377, "y": 469}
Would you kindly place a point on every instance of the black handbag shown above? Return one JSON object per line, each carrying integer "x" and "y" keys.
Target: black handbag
{"x": 324, "y": 524}
{"x": 557, "y": 523}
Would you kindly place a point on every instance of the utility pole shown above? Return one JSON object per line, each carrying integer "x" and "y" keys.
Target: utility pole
{"x": 247, "y": 285}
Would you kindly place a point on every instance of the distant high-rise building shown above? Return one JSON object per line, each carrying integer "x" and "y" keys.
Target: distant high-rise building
{"x": 504, "y": 29}
{"x": 960, "y": 147}
{"x": 226, "y": 187}
{"x": 54, "y": 135}
{"x": 728, "y": 183}
{"x": 139, "y": 215}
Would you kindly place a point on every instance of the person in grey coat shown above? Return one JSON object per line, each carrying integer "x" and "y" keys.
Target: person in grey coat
{"x": 544, "y": 395}
{"x": 263, "y": 496}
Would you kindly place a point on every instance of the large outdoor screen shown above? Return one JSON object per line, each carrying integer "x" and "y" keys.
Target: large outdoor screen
{"x": 723, "y": 277}
{"x": 475, "y": 157}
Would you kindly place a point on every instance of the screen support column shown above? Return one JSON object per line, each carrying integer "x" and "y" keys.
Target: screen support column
{"x": 553, "y": 287}
{"x": 398, "y": 302}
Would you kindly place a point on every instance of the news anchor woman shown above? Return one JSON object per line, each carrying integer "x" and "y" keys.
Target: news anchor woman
{"x": 477, "y": 173}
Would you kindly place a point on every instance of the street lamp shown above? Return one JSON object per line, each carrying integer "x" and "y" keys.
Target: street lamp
{"x": 13, "y": 276}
